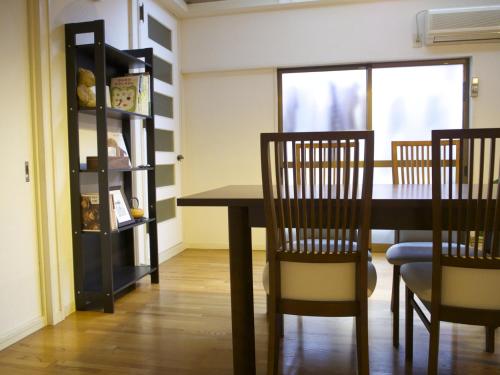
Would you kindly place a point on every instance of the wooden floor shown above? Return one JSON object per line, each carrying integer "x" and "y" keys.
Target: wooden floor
{"x": 183, "y": 326}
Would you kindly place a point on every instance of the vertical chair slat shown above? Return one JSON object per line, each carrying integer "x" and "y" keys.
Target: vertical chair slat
{"x": 469, "y": 195}
{"x": 311, "y": 191}
{"x": 413, "y": 163}
{"x": 442, "y": 152}
{"x": 287, "y": 196}
{"x": 347, "y": 181}
{"x": 320, "y": 202}
{"x": 410, "y": 164}
{"x": 279, "y": 171}
{"x": 450, "y": 193}
{"x": 395, "y": 166}
{"x": 429, "y": 164}
{"x": 496, "y": 224}
{"x": 406, "y": 178}
{"x": 459, "y": 180}
{"x": 296, "y": 208}
{"x": 329, "y": 200}
{"x": 491, "y": 176}
{"x": 304, "y": 201}
{"x": 420, "y": 157}
{"x": 354, "y": 195}
{"x": 338, "y": 161}
{"x": 477, "y": 222}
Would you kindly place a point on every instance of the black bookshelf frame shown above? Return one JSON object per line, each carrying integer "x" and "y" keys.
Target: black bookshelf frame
{"x": 104, "y": 261}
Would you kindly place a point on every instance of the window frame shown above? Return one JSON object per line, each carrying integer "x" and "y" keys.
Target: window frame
{"x": 465, "y": 61}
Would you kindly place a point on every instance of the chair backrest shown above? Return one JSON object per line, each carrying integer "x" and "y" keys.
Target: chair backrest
{"x": 294, "y": 209}
{"x": 411, "y": 161}
{"x": 309, "y": 157}
{"x": 467, "y": 204}
{"x": 412, "y": 164}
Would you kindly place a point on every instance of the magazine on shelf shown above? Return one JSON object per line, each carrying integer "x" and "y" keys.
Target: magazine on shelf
{"x": 90, "y": 213}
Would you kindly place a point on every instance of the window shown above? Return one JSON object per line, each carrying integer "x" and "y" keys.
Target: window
{"x": 408, "y": 100}
{"x": 324, "y": 100}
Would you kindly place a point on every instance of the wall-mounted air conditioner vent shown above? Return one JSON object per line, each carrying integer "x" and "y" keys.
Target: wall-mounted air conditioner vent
{"x": 457, "y": 25}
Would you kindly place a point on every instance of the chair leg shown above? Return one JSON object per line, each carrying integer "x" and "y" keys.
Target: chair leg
{"x": 281, "y": 325}
{"x": 395, "y": 306}
{"x": 268, "y": 246}
{"x": 362, "y": 342}
{"x": 433, "y": 347}
{"x": 490, "y": 339}
{"x": 409, "y": 326}
{"x": 273, "y": 344}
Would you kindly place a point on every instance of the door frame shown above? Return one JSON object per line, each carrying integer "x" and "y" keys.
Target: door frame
{"x": 140, "y": 185}
{"x": 43, "y": 133}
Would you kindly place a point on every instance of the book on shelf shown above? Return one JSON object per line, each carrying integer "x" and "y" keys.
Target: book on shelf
{"x": 90, "y": 213}
{"x": 118, "y": 156}
{"x": 131, "y": 93}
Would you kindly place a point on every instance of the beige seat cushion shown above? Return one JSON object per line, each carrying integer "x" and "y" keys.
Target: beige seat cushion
{"x": 320, "y": 281}
{"x": 409, "y": 252}
{"x": 461, "y": 287}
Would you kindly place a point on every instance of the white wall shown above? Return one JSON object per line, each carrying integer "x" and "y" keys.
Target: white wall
{"x": 224, "y": 112}
{"x": 21, "y": 306}
{"x": 221, "y": 128}
{"x": 116, "y": 16}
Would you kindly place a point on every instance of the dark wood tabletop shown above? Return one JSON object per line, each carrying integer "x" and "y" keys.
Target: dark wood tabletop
{"x": 246, "y": 195}
{"x": 393, "y": 206}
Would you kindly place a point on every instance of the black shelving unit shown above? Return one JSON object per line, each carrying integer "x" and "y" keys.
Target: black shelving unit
{"x": 104, "y": 261}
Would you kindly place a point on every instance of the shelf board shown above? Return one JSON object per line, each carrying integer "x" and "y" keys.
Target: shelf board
{"x": 123, "y": 277}
{"x": 114, "y": 56}
{"x": 137, "y": 222}
{"x": 112, "y": 170}
{"x": 116, "y": 113}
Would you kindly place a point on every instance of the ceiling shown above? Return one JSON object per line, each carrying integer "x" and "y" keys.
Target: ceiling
{"x": 200, "y": 1}
{"x": 204, "y": 8}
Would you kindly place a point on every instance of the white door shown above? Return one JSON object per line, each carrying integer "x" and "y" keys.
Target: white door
{"x": 21, "y": 308}
{"x": 158, "y": 30}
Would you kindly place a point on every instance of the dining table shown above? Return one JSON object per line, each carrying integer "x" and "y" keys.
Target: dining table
{"x": 392, "y": 207}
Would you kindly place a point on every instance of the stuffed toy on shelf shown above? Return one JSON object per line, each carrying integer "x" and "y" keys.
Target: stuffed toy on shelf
{"x": 86, "y": 88}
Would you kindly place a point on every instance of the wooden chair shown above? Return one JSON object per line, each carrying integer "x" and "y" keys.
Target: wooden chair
{"x": 411, "y": 164}
{"x": 412, "y": 161}
{"x": 312, "y": 271}
{"x": 460, "y": 285}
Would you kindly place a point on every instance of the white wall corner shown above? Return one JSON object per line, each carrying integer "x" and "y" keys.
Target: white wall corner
{"x": 50, "y": 258}
{"x": 170, "y": 253}
{"x": 178, "y": 8}
{"x": 20, "y": 332}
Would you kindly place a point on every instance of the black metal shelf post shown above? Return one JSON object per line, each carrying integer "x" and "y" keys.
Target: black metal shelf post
{"x": 99, "y": 261}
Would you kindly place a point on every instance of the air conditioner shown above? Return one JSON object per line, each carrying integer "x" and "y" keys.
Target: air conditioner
{"x": 460, "y": 25}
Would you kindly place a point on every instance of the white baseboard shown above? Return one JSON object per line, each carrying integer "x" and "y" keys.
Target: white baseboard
{"x": 216, "y": 246}
{"x": 169, "y": 253}
{"x": 14, "y": 335}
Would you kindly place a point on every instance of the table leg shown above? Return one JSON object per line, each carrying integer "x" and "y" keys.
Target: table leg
{"x": 240, "y": 266}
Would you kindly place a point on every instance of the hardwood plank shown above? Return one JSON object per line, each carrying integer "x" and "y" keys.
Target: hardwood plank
{"x": 182, "y": 326}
